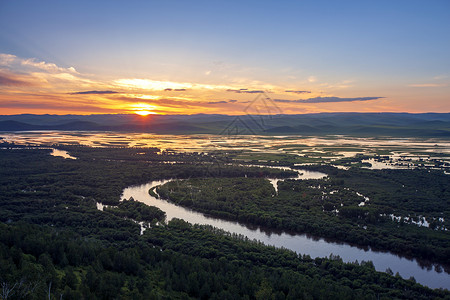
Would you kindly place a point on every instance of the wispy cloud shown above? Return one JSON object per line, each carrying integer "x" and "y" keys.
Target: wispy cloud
{"x": 54, "y": 106}
{"x": 312, "y": 79}
{"x": 427, "y": 85}
{"x": 10, "y": 79}
{"x": 19, "y": 72}
{"x": 158, "y": 85}
{"x": 46, "y": 87}
{"x": 440, "y": 77}
{"x": 93, "y": 92}
{"x": 217, "y": 102}
{"x": 298, "y": 92}
{"x": 174, "y": 90}
{"x": 160, "y": 102}
{"x": 7, "y": 59}
{"x": 436, "y": 81}
{"x": 245, "y": 91}
{"x": 327, "y": 99}
{"x": 33, "y": 64}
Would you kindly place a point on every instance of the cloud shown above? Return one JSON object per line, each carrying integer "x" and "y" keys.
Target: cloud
{"x": 226, "y": 101}
{"x": 245, "y": 91}
{"x": 49, "y": 67}
{"x": 93, "y": 92}
{"x": 8, "y": 79}
{"x": 157, "y": 85}
{"x": 327, "y": 100}
{"x": 436, "y": 81}
{"x": 10, "y": 60}
{"x": 55, "y": 106}
{"x": 312, "y": 79}
{"x": 428, "y": 85}
{"x": 174, "y": 90}
{"x": 33, "y": 82}
{"x": 48, "y": 77}
{"x": 217, "y": 102}
{"x": 298, "y": 92}
{"x": 163, "y": 102}
{"x": 440, "y": 77}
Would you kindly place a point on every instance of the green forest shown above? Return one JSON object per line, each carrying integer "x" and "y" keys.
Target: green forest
{"x": 55, "y": 244}
{"x": 330, "y": 207}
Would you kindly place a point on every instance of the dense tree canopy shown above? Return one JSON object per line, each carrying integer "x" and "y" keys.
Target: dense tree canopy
{"x": 54, "y": 241}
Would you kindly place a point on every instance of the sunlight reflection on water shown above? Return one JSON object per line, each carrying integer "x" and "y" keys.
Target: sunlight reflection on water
{"x": 200, "y": 142}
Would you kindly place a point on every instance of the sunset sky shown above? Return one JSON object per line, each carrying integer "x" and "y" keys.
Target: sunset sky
{"x": 186, "y": 57}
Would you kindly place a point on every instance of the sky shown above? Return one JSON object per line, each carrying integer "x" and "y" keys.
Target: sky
{"x": 228, "y": 57}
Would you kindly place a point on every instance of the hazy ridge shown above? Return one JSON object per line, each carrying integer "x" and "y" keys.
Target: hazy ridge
{"x": 382, "y": 124}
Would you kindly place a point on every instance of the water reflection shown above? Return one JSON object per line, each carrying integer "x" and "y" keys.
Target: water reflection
{"x": 300, "y": 243}
{"x": 61, "y": 153}
{"x": 200, "y": 142}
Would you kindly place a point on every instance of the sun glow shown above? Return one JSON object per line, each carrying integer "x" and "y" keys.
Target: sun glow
{"x": 167, "y": 86}
{"x": 144, "y": 112}
{"x": 155, "y": 85}
{"x": 143, "y": 109}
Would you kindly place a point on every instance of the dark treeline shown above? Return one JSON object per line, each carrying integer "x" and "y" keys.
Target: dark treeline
{"x": 181, "y": 261}
{"x": 54, "y": 241}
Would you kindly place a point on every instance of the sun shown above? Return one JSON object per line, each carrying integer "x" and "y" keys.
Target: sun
{"x": 144, "y": 112}
{"x": 143, "y": 109}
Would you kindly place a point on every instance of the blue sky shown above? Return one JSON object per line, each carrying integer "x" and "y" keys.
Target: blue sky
{"x": 397, "y": 50}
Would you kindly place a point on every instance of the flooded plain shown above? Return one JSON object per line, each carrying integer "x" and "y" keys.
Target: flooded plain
{"x": 389, "y": 152}
{"x": 337, "y": 150}
{"x": 200, "y": 142}
{"x": 376, "y": 153}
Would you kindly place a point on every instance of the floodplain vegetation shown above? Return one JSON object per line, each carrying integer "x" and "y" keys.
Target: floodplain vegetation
{"x": 356, "y": 206}
{"x": 55, "y": 243}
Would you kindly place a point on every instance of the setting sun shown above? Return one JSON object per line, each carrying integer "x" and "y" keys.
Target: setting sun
{"x": 144, "y": 112}
{"x": 143, "y": 109}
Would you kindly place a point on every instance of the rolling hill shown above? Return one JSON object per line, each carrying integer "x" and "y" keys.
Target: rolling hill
{"x": 357, "y": 124}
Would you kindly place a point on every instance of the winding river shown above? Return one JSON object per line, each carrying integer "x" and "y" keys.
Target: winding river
{"x": 300, "y": 243}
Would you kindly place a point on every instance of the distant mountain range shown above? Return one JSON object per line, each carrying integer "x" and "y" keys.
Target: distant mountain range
{"x": 356, "y": 124}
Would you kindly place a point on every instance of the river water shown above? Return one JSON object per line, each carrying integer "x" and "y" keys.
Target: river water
{"x": 299, "y": 243}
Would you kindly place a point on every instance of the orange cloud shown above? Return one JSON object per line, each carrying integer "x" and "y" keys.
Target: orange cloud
{"x": 10, "y": 79}
{"x": 33, "y": 86}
